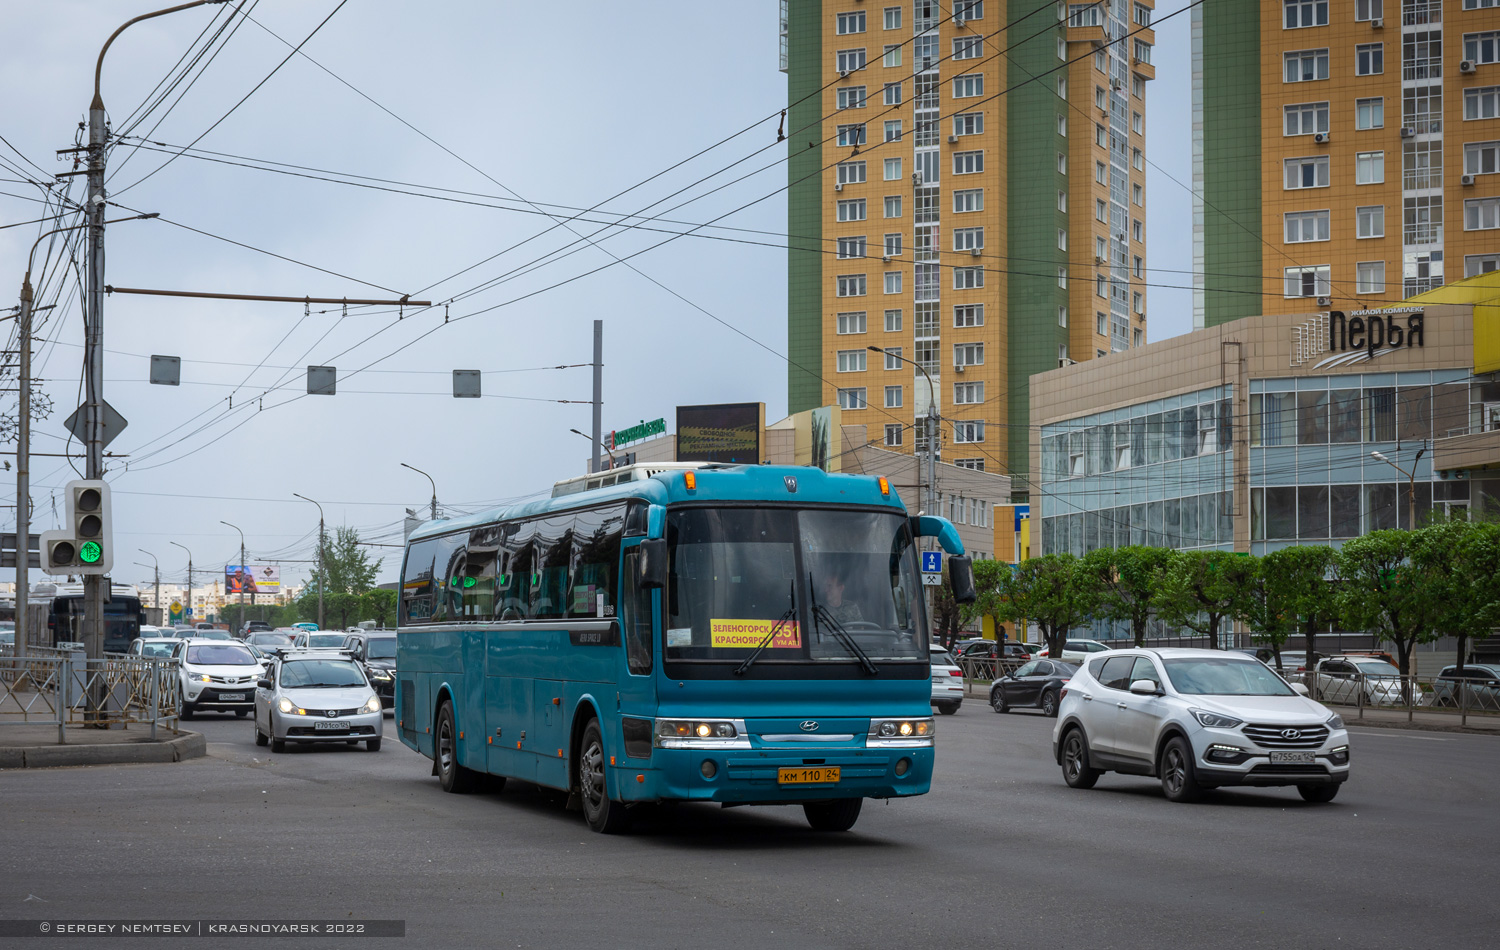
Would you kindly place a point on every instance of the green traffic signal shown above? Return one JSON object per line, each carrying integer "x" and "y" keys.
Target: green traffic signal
{"x": 90, "y": 552}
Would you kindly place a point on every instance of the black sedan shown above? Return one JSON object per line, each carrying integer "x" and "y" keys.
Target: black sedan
{"x": 1038, "y": 684}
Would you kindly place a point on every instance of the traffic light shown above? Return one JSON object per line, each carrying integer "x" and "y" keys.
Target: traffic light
{"x": 84, "y": 546}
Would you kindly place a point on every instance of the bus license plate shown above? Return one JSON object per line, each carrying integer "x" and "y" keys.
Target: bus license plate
{"x": 819, "y": 775}
{"x": 339, "y": 726}
{"x": 1291, "y": 758}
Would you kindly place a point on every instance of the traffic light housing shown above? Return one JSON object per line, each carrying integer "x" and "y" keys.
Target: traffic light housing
{"x": 85, "y": 545}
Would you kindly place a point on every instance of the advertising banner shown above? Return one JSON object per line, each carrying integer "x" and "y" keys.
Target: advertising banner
{"x": 252, "y": 578}
{"x": 729, "y": 433}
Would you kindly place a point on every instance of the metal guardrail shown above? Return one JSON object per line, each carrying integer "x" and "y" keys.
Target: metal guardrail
{"x": 981, "y": 671}
{"x": 57, "y": 687}
{"x": 1400, "y": 693}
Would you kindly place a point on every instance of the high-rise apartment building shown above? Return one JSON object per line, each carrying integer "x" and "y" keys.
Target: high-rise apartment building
{"x": 967, "y": 194}
{"x": 1344, "y": 150}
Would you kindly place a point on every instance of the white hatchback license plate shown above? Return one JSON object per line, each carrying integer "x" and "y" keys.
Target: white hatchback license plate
{"x": 1291, "y": 758}
{"x": 339, "y": 726}
{"x": 232, "y": 697}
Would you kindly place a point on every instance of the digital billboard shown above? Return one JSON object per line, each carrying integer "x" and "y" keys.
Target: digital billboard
{"x": 252, "y": 578}
{"x": 727, "y": 432}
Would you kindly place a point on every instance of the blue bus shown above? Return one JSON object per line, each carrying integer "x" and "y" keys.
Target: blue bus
{"x": 748, "y": 635}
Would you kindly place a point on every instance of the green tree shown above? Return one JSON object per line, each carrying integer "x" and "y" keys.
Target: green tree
{"x": 347, "y": 568}
{"x": 378, "y": 605}
{"x": 1052, "y": 591}
{"x": 1128, "y": 579}
{"x": 988, "y": 576}
{"x": 1294, "y": 592}
{"x": 1202, "y": 590}
{"x": 1385, "y": 591}
{"x": 1460, "y": 561}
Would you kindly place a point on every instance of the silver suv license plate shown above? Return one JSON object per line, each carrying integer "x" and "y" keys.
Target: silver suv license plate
{"x": 339, "y": 726}
{"x": 1279, "y": 758}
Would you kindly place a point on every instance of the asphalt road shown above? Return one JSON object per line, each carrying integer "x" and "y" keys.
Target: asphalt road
{"x": 1000, "y": 854}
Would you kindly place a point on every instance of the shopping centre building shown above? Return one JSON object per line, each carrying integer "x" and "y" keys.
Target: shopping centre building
{"x": 1275, "y": 430}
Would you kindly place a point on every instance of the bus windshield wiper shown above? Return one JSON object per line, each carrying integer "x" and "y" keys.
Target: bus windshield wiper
{"x": 788, "y": 614}
{"x": 821, "y": 612}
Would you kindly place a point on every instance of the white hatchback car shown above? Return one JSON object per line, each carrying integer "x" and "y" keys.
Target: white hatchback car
{"x": 316, "y": 697}
{"x": 1197, "y": 719}
{"x": 1076, "y": 651}
{"x": 947, "y": 681}
{"x": 216, "y": 674}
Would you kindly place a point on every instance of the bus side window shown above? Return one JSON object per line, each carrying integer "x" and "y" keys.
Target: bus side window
{"x": 636, "y": 620}
{"x": 480, "y": 569}
{"x": 450, "y": 606}
{"x": 596, "y": 554}
{"x": 635, "y": 519}
{"x": 418, "y": 590}
{"x": 513, "y": 585}
{"x": 554, "y": 558}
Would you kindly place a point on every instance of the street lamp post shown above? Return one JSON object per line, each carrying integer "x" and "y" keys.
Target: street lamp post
{"x": 156, "y": 574}
{"x": 189, "y": 614}
{"x": 932, "y": 431}
{"x": 320, "y": 546}
{"x": 430, "y": 481}
{"x": 1411, "y": 491}
{"x": 242, "y": 573}
{"x": 597, "y": 446}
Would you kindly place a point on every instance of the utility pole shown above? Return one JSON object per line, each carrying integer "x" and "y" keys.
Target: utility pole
{"x": 189, "y": 614}
{"x": 320, "y": 539}
{"x": 598, "y": 393}
{"x": 242, "y": 573}
{"x": 23, "y": 474}
{"x": 156, "y": 584}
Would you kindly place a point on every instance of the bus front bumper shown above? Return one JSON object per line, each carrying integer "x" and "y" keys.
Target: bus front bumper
{"x": 766, "y": 776}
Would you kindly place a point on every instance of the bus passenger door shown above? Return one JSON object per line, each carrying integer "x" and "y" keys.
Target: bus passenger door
{"x": 637, "y": 688}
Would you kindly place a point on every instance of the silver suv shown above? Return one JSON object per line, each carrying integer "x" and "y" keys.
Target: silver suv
{"x": 1197, "y": 719}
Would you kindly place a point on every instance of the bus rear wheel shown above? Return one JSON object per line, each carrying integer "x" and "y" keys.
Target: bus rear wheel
{"x": 604, "y": 815}
{"x": 451, "y": 776}
{"x": 837, "y": 815}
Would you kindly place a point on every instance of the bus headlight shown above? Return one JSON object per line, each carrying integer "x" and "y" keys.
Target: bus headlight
{"x": 701, "y": 734}
{"x": 900, "y": 733}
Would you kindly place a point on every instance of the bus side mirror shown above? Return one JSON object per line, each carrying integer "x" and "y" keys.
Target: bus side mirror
{"x": 961, "y": 579}
{"x": 651, "y": 564}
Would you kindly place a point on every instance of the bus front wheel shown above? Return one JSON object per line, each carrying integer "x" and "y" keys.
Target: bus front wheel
{"x": 604, "y": 815}
{"x": 451, "y": 776}
{"x": 837, "y": 815}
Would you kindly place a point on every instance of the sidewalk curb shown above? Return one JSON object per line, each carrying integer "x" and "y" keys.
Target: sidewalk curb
{"x": 1418, "y": 727}
{"x": 188, "y": 745}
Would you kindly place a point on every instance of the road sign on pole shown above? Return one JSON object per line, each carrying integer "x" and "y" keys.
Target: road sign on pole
{"x": 932, "y": 562}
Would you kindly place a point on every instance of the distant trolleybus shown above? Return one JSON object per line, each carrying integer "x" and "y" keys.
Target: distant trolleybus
{"x": 749, "y": 635}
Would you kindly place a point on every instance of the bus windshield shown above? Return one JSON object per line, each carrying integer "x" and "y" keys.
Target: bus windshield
{"x": 837, "y": 586}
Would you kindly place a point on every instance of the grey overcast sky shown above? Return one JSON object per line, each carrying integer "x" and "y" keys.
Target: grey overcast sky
{"x": 505, "y": 109}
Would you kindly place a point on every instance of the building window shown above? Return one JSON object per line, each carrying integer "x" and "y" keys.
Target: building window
{"x": 968, "y": 10}
{"x": 893, "y": 321}
{"x": 1062, "y": 239}
{"x": 1422, "y": 224}
{"x": 968, "y": 123}
{"x": 1482, "y": 47}
{"x": 1101, "y": 323}
{"x": 1100, "y": 251}
{"x": 1480, "y": 4}
{"x": 891, "y": 56}
{"x": 1062, "y": 316}
{"x": 1369, "y": 113}
{"x": 1138, "y": 87}
{"x": 1305, "y": 118}
{"x": 968, "y": 315}
{"x": 966, "y": 87}
{"x": 1136, "y": 337}
{"x": 893, "y": 282}
{"x": 968, "y": 239}
{"x": 965, "y": 394}
{"x": 968, "y": 432}
{"x": 893, "y": 359}
{"x": 1304, "y": 65}
{"x": 1309, "y": 172}
{"x": 1101, "y": 175}
{"x": 851, "y": 209}
{"x": 1140, "y": 267}
{"x": 851, "y": 97}
{"x": 853, "y": 398}
{"x": 1101, "y": 137}
{"x": 1138, "y": 302}
{"x": 851, "y": 135}
{"x": 1369, "y": 9}
{"x": 1101, "y": 102}
{"x": 1142, "y": 15}
{"x": 1062, "y": 163}
{"x": 1369, "y": 221}
{"x": 893, "y": 397}
{"x": 1481, "y": 214}
{"x": 1307, "y": 281}
{"x": 968, "y": 354}
{"x": 893, "y": 206}
{"x": 1136, "y": 230}
{"x": 893, "y": 434}
{"x": 1303, "y": 13}
{"x": 851, "y": 285}
{"x": 851, "y": 322}
{"x": 968, "y": 47}
{"x": 1369, "y": 277}
{"x": 1137, "y": 124}
{"x": 851, "y": 60}
{"x": 1085, "y": 14}
{"x": 1136, "y": 195}
{"x": 893, "y": 169}
{"x": 1476, "y": 264}
{"x": 1304, "y": 226}
{"x": 1101, "y": 286}
{"x": 851, "y": 247}
{"x": 1480, "y": 158}
{"x": 1369, "y": 168}
{"x": 851, "y": 361}
{"x": 1101, "y": 210}
{"x": 968, "y": 199}
{"x": 851, "y": 23}
{"x": 1062, "y": 278}
{"x": 892, "y": 130}
{"x": 1137, "y": 160}
{"x": 851, "y": 173}
{"x": 893, "y": 93}
{"x": 968, "y": 163}
{"x": 1482, "y": 103}
{"x": 893, "y": 245}
{"x": 968, "y": 278}
{"x": 1369, "y": 59}
{"x": 893, "y": 18}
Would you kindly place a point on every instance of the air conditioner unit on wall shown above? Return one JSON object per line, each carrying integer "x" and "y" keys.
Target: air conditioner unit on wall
{"x": 1321, "y": 138}
{"x": 952, "y": 139}
{"x": 1325, "y": 301}
{"x": 838, "y": 186}
{"x": 1407, "y": 132}
{"x": 1467, "y": 179}
{"x": 958, "y": 367}
{"x": 1466, "y": 66}
{"x": 974, "y": 252}
{"x": 1377, "y": 24}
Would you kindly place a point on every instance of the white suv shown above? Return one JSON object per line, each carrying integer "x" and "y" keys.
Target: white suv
{"x": 216, "y": 674}
{"x": 1197, "y": 719}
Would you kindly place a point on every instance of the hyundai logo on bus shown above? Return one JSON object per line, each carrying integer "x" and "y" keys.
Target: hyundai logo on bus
{"x": 1374, "y": 329}
{"x": 809, "y": 725}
